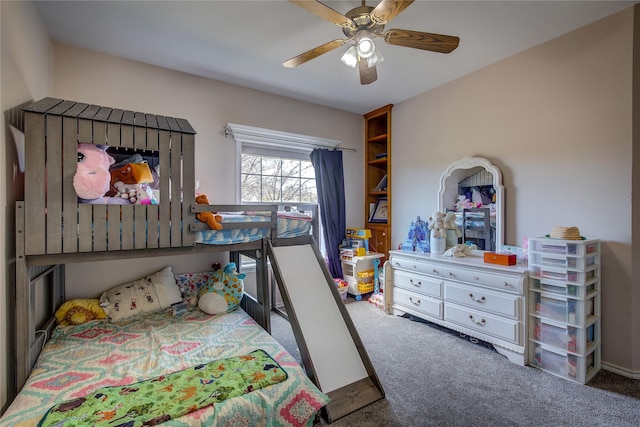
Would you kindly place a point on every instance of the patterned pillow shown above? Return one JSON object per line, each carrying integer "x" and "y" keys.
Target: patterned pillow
{"x": 190, "y": 285}
{"x": 149, "y": 294}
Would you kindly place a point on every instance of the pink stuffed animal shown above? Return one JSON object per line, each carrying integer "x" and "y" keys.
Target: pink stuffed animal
{"x": 92, "y": 178}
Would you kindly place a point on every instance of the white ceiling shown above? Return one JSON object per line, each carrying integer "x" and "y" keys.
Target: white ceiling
{"x": 245, "y": 42}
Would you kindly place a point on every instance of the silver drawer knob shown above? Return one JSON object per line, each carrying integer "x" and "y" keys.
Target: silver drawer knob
{"x": 417, "y": 302}
{"x": 416, "y": 284}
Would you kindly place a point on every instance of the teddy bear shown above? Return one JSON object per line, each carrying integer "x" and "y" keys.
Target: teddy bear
{"x": 450, "y": 223}
{"x": 138, "y": 194}
{"x": 92, "y": 179}
{"x": 212, "y": 220}
{"x": 436, "y": 225}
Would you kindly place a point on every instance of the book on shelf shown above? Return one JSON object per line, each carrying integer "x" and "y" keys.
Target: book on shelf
{"x": 382, "y": 185}
{"x": 380, "y": 156}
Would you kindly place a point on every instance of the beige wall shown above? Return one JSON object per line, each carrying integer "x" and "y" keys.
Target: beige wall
{"x": 92, "y": 77}
{"x": 556, "y": 120}
{"x": 25, "y": 71}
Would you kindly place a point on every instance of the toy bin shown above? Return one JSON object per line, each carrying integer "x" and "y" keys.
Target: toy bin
{"x": 578, "y": 248}
{"x": 564, "y": 337}
{"x": 342, "y": 287}
{"x": 573, "y": 311}
{"x": 365, "y": 274}
{"x": 563, "y": 288}
{"x": 365, "y": 287}
{"x": 570, "y": 366}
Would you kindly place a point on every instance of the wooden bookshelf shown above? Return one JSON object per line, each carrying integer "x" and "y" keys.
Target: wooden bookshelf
{"x": 377, "y": 165}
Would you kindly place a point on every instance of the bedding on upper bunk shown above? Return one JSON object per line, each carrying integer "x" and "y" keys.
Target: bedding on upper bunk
{"x": 80, "y": 359}
{"x": 289, "y": 224}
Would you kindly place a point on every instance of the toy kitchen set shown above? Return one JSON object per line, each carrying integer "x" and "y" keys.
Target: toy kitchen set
{"x": 359, "y": 266}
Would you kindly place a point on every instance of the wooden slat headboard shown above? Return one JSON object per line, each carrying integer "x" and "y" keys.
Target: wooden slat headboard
{"x": 53, "y": 130}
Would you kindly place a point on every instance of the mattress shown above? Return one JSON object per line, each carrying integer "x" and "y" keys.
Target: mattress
{"x": 289, "y": 224}
{"x": 80, "y": 359}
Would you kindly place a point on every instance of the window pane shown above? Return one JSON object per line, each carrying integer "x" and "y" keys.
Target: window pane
{"x": 290, "y": 167}
{"x": 307, "y": 170}
{"x": 271, "y": 166}
{"x": 271, "y": 188}
{"x": 251, "y": 188}
{"x": 277, "y": 179}
{"x": 251, "y": 164}
{"x": 290, "y": 190}
{"x": 308, "y": 192}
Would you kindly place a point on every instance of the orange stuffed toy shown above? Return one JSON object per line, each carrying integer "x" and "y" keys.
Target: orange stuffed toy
{"x": 212, "y": 220}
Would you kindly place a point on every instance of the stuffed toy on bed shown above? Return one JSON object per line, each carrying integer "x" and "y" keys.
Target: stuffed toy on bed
{"x": 223, "y": 291}
{"x": 79, "y": 311}
{"x": 92, "y": 179}
{"x": 210, "y": 218}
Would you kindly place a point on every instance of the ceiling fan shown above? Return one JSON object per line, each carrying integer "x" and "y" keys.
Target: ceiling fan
{"x": 364, "y": 23}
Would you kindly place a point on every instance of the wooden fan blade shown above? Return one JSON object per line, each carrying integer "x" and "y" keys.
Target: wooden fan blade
{"x": 386, "y": 10}
{"x": 367, "y": 74}
{"x": 426, "y": 41}
{"x": 325, "y": 12}
{"x": 314, "y": 53}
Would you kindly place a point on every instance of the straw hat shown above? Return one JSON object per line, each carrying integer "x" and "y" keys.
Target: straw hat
{"x": 565, "y": 233}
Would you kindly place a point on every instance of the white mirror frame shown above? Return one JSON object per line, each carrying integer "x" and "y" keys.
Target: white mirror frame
{"x": 448, "y": 192}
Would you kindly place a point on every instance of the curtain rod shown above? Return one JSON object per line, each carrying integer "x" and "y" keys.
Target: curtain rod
{"x": 268, "y": 136}
{"x": 339, "y": 148}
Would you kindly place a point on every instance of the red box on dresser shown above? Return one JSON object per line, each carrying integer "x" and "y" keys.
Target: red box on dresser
{"x": 501, "y": 259}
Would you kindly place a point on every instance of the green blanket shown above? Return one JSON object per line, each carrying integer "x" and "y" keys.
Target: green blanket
{"x": 160, "y": 399}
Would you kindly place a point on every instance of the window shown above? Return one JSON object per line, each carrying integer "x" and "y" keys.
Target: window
{"x": 274, "y": 166}
{"x": 277, "y": 178}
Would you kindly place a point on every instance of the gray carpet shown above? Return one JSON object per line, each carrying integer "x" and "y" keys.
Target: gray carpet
{"x": 434, "y": 378}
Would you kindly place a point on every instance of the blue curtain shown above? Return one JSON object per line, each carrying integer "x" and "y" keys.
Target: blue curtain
{"x": 330, "y": 186}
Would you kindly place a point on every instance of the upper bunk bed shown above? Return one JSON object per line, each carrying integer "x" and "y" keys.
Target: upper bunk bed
{"x": 54, "y": 227}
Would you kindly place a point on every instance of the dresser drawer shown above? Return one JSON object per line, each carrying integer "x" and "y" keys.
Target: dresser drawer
{"x": 485, "y": 323}
{"x": 418, "y": 266}
{"x": 500, "y": 303}
{"x": 419, "y": 303}
{"x": 424, "y": 285}
{"x": 489, "y": 279}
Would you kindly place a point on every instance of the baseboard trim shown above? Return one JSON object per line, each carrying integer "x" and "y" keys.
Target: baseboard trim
{"x": 621, "y": 371}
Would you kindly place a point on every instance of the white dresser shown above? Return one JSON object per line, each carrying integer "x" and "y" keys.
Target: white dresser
{"x": 485, "y": 301}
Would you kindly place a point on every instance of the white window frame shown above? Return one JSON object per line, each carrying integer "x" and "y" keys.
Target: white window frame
{"x": 271, "y": 139}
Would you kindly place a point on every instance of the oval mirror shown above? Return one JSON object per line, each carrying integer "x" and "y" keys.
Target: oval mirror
{"x": 472, "y": 187}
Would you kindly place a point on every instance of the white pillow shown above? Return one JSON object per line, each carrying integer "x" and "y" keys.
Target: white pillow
{"x": 149, "y": 294}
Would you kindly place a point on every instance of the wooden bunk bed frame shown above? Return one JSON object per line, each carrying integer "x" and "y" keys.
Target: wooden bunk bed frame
{"x": 53, "y": 228}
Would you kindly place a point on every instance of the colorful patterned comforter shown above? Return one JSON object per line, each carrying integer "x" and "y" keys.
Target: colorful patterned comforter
{"x": 81, "y": 359}
{"x": 288, "y": 225}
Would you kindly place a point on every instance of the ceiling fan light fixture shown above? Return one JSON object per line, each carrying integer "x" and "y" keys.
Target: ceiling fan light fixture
{"x": 375, "y": 59}
{"x": 350, "y": 57}
{"x": 366, "y": 47}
